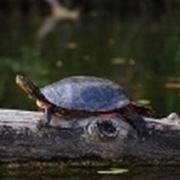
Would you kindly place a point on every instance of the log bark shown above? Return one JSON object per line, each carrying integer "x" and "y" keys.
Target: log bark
{"x": 93, "y": 139}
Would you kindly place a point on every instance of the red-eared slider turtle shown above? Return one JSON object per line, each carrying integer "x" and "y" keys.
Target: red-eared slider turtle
{"x": 79, "y": 95}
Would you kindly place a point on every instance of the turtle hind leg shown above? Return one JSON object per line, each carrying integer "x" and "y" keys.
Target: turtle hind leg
{"x": 137, "y": 122}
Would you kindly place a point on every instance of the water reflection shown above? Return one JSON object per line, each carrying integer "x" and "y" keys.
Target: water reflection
{"x": 58, "y": 13}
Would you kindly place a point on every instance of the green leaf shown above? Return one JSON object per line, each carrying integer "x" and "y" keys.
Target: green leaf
{"x": 144, "y": 101}
{"x": 113, "y": 171}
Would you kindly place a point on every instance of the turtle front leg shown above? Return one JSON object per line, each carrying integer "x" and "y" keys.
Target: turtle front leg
{"x": 48, "y": 114}
{"x": 48, "y": 110}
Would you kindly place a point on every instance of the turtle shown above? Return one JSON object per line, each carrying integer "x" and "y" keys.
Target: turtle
{"x": 83, "y": 95}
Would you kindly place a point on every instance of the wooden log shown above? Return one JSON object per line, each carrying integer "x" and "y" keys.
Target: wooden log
{"x": 93, "y": 139}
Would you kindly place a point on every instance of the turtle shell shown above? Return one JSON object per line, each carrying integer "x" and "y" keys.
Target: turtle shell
{"x": 86, "y": 93}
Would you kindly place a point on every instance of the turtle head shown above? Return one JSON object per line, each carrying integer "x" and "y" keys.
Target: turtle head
{"x": 28, "y": 86}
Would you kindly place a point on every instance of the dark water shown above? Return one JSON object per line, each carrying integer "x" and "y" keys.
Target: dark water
{"x": 140, "y": 53}
{"x": 89, "y": 173}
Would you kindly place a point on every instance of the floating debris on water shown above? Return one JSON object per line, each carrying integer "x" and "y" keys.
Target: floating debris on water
{"x": 118, "y": 60}
{"x": 172, "y": 85}
{"x": 113, "y": 171}
{"x": 144, "y": 101}
{"x": 59, "y": 63}
{"x": 72, "y": 45}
